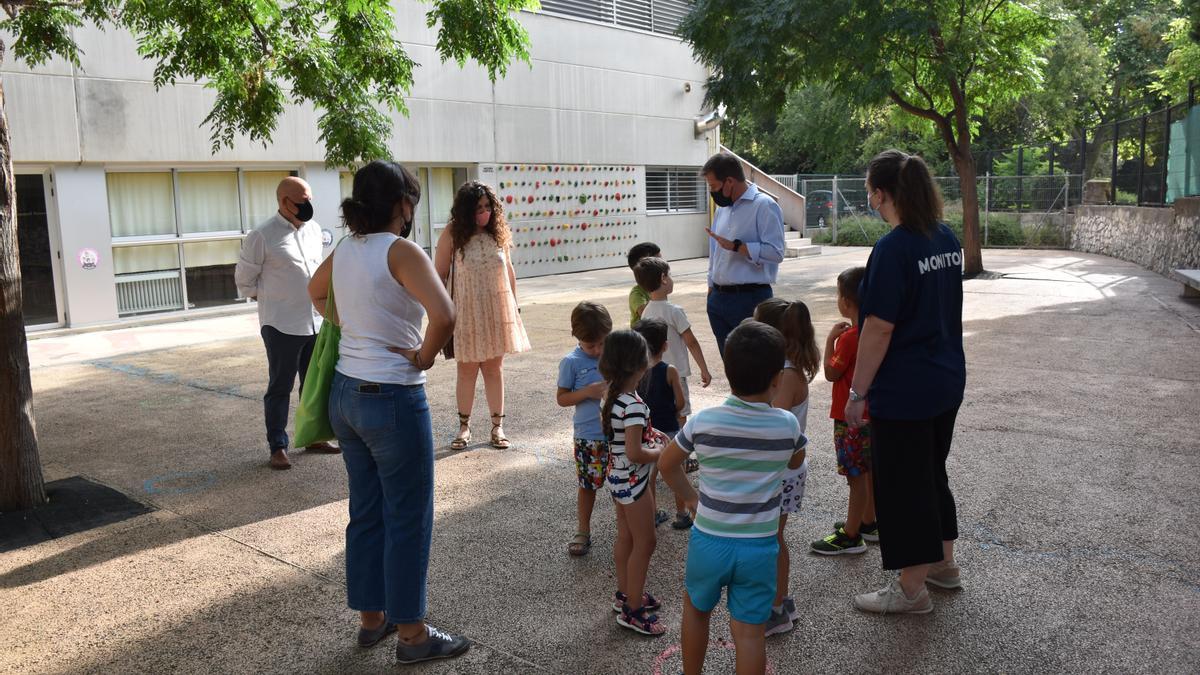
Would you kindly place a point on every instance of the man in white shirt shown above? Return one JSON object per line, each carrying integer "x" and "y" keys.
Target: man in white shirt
{"x": 277, "y": 260}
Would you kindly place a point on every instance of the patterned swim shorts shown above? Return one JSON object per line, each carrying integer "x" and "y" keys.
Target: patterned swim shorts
{"x": 853, "y": 449}
{"x": 793, "y": 489}
{"x": 591, "y": 463}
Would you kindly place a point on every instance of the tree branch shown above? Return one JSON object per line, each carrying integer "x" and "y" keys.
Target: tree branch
{"x": 957, "y": 94}
{"x": 262, "y": 39}
{"x": 991, "y": 12}
{"x": 924, "y": 92}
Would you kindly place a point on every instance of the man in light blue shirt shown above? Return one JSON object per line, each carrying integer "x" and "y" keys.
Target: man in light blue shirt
{"x": 745, "y": 245}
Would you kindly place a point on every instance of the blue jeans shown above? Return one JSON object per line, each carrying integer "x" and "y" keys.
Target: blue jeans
{"x": 727, "y": 310}
{"x": 386, "y": 439}
{"x": 287, "y": 357}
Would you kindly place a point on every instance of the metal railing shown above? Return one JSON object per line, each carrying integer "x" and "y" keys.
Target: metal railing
{"x": 1133, "y": 154}
{"x": 1027, "y": 208}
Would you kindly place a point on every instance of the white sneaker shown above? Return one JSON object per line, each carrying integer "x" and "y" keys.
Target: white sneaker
{"x": 891, "y": 600}
{"x": 944, "y": 575}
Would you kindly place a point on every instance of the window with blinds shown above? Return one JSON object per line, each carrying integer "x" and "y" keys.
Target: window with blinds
{"x": 657, "y": 16}
{"x": 674, "y": 189}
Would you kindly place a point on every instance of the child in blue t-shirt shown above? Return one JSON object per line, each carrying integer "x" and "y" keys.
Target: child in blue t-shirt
{"x": 581, "y": 385}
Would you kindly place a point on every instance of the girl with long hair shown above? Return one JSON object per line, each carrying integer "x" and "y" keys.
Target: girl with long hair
{"x": 474, "y": 256}
{"x": 634, "y": 447}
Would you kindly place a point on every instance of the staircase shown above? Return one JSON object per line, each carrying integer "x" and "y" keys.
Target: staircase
{"x": 797, "y": 246}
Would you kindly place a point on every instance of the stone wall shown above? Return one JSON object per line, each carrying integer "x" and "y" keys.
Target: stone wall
{"x": 1159, "y": 239}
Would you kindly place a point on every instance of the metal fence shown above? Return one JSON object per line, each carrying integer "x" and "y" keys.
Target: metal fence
{"x": 1013, "y": 210}
{"x": 1132, "y": 154}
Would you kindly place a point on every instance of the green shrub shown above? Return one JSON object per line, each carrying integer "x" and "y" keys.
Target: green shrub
{"x": 1126, "y": 198}
{"x": 1003, "y": 229}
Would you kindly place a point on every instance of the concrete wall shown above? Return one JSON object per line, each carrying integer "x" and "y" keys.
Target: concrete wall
{"x": 1159, "y": 239}
{"x": 592, "y": 94}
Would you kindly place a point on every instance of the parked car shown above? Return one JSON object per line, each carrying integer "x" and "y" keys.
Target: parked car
{"x": 818, "y": 207}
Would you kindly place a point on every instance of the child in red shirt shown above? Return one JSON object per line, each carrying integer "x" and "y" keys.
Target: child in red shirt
{"x": 853, "y": 445}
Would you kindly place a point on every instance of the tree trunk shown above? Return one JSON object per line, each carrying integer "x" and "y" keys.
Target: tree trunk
{"x": 964, "y": 165}
{"x": 21, "y": 485}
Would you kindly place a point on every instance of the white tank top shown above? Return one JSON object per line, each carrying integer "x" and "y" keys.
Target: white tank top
{"x": 376, "y": 312}
{"x": 800, "y": 410}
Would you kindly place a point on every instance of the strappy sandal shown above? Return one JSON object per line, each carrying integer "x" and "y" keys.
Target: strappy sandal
{"x": 580, "y": 544}
{"x": 499, "y": 441}
{"x": 464, "y": 423}
{"x": 641, "y": 621}
{"x": 648, "y": 601}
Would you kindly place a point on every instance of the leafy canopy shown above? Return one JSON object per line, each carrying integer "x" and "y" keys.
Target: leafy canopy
{"x": 340, "y": 56}
{"x": 946, "y": 60}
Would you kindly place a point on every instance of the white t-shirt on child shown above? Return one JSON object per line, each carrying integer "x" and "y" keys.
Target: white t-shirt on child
{"x": 677, "y": 322}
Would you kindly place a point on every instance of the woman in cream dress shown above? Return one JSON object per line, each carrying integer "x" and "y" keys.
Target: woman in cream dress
{"x": 473, "y": 255}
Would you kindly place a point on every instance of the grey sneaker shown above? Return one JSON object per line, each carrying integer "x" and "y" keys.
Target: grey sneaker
{"x": 944, "y": 575}
{"x": 789, "y": 606}
{"x": 779, "y": 623}
{"x": 370, "y": 638}
{"x": 683, "y": 521}
{"x": 891, "y": 600}
{"x": 440, "y": 645}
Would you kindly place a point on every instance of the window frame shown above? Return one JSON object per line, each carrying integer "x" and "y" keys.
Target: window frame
{"x": 180, "y": 238}
{"x": 672, "y": 175}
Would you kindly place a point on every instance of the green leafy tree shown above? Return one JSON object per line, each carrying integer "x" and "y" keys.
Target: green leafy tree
{"x": 339, "y": 56}
{"x": 1182, "y": 65}
{"x": 820, "y": 132}
{"x": 1129, "y": 35}
{"x": 816, "y": 131}
{"x": 949, "y": 62}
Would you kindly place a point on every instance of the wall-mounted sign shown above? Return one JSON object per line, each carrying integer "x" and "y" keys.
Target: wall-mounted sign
{"x": 326, "y": 238}
{"x": 89, "y": 258}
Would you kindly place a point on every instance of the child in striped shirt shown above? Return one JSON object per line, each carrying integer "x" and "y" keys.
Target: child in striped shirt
{"x": 633, "y": 448}
{"x": 745, "y": 447}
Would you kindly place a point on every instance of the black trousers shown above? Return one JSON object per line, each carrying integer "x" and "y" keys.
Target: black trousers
{"x": 913, "y": 503}
{"x": 287, "y": 356}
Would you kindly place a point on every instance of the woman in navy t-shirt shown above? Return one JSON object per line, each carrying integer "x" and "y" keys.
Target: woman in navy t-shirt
{"x": 912, "y": 372}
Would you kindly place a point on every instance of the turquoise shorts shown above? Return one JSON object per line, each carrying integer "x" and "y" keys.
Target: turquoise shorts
{"x": 745, "y": 566}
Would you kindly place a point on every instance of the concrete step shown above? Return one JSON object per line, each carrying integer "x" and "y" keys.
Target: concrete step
{"x": 790, "y": 235}
{"x": 801, "y": 251}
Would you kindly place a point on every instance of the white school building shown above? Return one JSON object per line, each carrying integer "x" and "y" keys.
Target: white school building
{"x": 123, "y": 210}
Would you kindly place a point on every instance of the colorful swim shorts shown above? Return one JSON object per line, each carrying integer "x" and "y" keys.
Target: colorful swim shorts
{"x": 591, "y": 463}
{"x": 853, "y": 448}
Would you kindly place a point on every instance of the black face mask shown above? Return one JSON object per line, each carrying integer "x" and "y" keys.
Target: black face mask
{"x": 408, "y": 224}
{"x": 720, "y": 199}
{"x": 304, "y": 211}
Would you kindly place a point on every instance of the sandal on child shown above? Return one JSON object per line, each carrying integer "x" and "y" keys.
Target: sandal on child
{"x": 648, "y": 601}
{"x": 499, "y": 441}
{"x": 580, "y": 544}
{"x": 641, "y": 621}
{"x": 464, "y": 437}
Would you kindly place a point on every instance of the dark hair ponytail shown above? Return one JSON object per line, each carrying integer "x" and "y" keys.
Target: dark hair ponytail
{"x": 907, "y": 179}
{"x": 625, "y": 353}
{"x": 378, "y": 186}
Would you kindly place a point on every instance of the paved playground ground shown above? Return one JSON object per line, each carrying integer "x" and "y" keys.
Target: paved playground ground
{"x": 1075, "y": 466}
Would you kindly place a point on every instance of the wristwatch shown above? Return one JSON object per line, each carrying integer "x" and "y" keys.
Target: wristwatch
{"x": 737, "y": 245}
{"x": 856, "y": 397}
